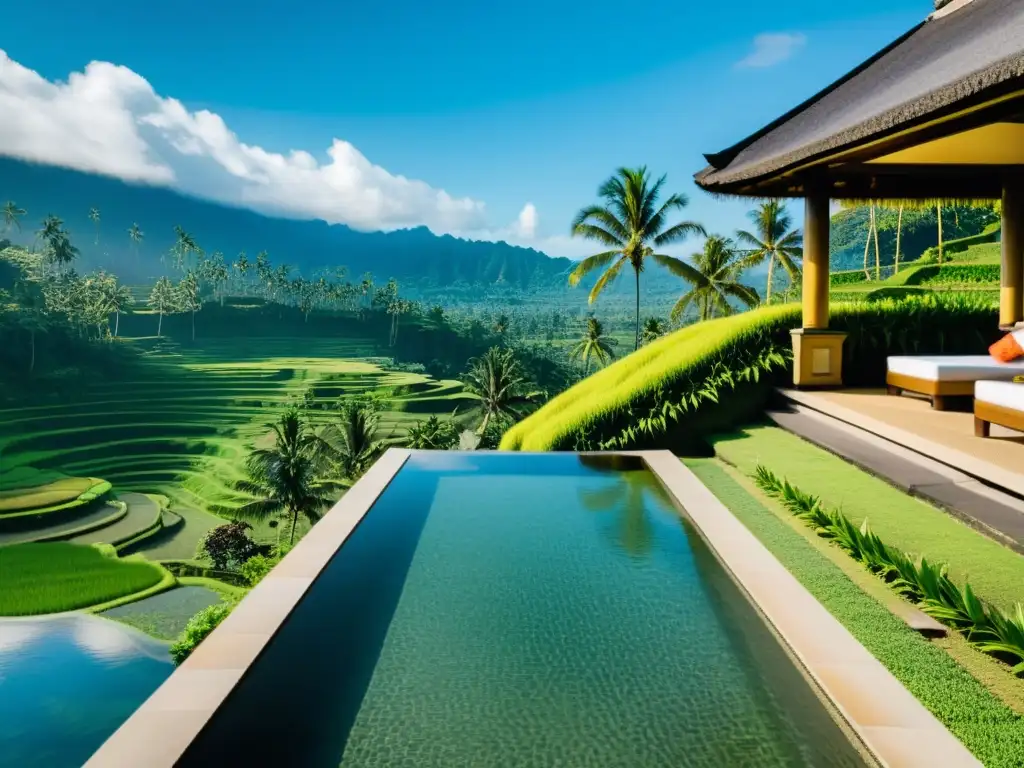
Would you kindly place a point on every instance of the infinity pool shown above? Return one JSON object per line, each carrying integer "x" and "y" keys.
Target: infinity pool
{"x": 524, "y": 610}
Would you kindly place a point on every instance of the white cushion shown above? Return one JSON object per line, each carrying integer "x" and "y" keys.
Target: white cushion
{"x": 955, "y": 367}
{"x": 1002, "y": 393}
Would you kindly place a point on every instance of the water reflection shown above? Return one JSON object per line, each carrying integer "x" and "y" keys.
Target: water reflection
{"x": 632, "y": 494}
{"x": 67, "y": 682}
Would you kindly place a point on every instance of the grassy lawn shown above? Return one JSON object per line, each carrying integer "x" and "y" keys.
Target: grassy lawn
{"x": 995, "y": 572}
{"x": 54, "y": 577}
{"x": 990, "y": 729}
{"x": 165, "y": 615}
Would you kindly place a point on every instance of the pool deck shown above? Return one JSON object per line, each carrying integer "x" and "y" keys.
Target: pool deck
{"x": 891, "y": 723}
{"x": 944, "y": 436}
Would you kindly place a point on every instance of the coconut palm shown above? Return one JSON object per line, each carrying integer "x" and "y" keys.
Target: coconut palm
{"x": 349, "y": 446}
{"x": 241, "y": 267}
{"x": 652, "y": 329}
{"x": 114, "y": 298}
{"x": 12, "y": 213}
{"x": 50, "y": 227}
{"x": 61, "y": 250}
{"x": 163, "y": 299}
{"x": 593, "y": 345}
{"x": 188, "y": 297}
{"x": 94, "y": 217}
{"x": 282, "y": 481}
{"x": 184, "y": 247}
{"x": 772, "y": 241}
{"x": 499, "y": 387}
{"x": 632, "y": 225}
{"x": 718, "y": 268}
{"x": 136, "y": 235}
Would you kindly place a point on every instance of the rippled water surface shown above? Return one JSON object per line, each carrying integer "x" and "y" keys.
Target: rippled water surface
{"x": 517, "y": 610}
{"x": 67, "y": 682}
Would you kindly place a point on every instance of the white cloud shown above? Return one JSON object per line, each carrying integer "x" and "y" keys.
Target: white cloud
{"x": 772, "y": 48}
{"x": 526, "y": 224}
{"x": 109, "y": 120}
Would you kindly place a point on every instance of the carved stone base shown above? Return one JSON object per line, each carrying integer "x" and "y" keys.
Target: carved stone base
{"x": 817, "y": 357}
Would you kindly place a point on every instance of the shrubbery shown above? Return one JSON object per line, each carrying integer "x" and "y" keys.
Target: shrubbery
{"x": 227, "y": 546}
{"x": 990, "y": 234}
{"x": 713, "y": 375}
{"x": 847, "y": 278}
{"x": 198, "y": 627}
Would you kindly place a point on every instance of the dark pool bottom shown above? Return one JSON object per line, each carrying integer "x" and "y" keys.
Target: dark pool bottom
{"x": 518, "y": 610}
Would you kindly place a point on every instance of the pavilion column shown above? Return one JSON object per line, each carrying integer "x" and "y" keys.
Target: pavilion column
{"x": 817, "y": 351}
{"x": 1011, "y": 282}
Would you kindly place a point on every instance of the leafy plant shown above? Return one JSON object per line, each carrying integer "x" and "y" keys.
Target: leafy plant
{"x": 256, "y": 567}
{"x": 227, "y": 546}
{"x": 198, "y": 627}
{"x": 920, "y": 581}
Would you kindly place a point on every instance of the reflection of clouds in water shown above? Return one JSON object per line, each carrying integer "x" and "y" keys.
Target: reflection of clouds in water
{"x": 443, "y": 461}
{"x": 103, "y": 639}
{"x": 14, "y": 634}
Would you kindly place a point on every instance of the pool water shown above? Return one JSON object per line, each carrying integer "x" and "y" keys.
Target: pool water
{"x": 524, "y": 610}
{"x": 67, "y": 682}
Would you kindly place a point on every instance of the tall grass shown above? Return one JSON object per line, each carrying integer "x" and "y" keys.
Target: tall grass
{"x": 55, "y": 577}
{"x": 707, "y": 373}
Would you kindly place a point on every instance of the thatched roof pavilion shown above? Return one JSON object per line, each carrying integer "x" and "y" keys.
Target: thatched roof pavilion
{"x": 939, "y": 113}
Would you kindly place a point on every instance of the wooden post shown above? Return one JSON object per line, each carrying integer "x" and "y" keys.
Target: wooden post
{"x": 1011, "y": 281}
{"x": 816, "y": 223}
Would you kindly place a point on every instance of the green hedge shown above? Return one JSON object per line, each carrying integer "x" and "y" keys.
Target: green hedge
{"x": 847, "y": 278}
{"x": 988, "y": 235}
{"x": 712, "y": 375}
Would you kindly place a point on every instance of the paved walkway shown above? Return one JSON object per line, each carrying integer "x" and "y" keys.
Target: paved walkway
{"x": 992, "y": 511}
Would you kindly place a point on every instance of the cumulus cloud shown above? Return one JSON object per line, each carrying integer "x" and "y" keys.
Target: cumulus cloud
{"x": 109, "y": 120}
{"x": 772, "y": 48}
{"x": 526, "y": 223}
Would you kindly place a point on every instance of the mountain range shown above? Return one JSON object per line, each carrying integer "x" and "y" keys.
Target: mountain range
{"x": 415, "y": 256}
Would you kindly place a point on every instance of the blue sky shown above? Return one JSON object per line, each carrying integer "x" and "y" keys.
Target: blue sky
{"x": 499, "y": 105}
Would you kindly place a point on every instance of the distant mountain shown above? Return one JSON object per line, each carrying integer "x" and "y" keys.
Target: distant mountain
{"x": 415, "y": 257}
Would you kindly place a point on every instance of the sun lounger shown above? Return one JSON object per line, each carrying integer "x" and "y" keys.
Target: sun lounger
{"x": 998, "y": 402}
{"x": 942, "y": 376}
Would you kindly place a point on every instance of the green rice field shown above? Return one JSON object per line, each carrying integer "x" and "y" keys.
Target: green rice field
{"x": 179, "y": 428}
{"x": 56, "y": 576}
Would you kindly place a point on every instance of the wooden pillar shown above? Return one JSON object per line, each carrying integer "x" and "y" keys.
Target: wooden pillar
{"x": 815, "y": 293}
{"x": 817, "y": 351}
{"x": 1011, "y": 281}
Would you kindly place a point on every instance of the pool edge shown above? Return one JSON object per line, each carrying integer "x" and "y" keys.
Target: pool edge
{"x": 890, "y": 722}
{"x": 159, "y": 732}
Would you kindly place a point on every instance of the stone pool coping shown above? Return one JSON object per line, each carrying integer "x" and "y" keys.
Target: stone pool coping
{"x": 891, "y": 723}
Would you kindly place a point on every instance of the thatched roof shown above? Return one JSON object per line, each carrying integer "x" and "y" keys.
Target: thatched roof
{"x": 963, "y": 55}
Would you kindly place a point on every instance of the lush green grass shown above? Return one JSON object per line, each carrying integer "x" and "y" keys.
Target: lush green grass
{"x": 991, "y": 730}
{"x": 54, "y": 577}
{"x": 995, "y": 572}
{"x": 165, "y": 615}
{"x": 688, "y": 382}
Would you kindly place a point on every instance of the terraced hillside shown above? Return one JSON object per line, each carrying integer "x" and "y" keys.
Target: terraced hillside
{"x": 181, "y": 427}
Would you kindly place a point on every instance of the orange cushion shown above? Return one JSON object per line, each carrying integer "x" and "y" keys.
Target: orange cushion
{"x": 1008, "y": 348}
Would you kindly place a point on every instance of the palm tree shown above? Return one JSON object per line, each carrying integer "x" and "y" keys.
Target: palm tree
{"x": 136, "y": 235}
{"x": 50, "y": 228}
{"x": 501, "y": 390}
{"x": 716, "y": 280}
{"x": 188, "y": 297}
{"x": 12, "y": 213}
{"x": 241, "y": 267}
{"x": 773, "y": 241}
{"x": 184, "y": 247}
{"x": 94, "y": 217}
{"x": 62, "y": 251}
{"x": 593, "y": 345}
{"x": 162, "y": 299}
{"x": 350, "y": 445}
{"x": 282, "y": 480}
{"x": 114, "y": 298}
{"x": 653, "y": 329}
{"x": 631, "y": 224}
